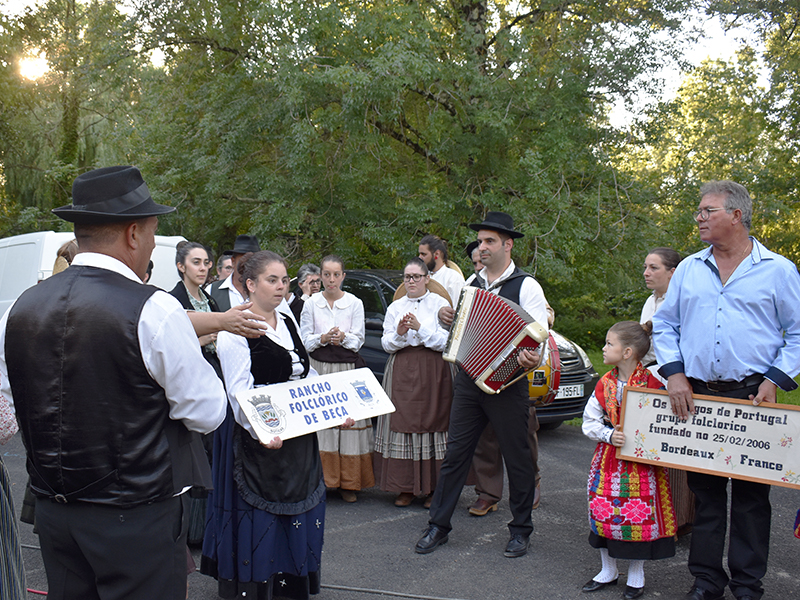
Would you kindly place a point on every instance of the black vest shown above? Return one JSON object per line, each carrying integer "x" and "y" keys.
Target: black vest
{"x": 221, "y": 297}
{"x": 510, "y": 287}
{"x": 95, "y": 425}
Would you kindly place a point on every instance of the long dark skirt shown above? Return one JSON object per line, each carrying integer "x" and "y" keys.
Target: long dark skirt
{"x": 252, "y": 551}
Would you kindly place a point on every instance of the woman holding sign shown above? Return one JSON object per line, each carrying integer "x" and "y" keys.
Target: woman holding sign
{"x": 410, "y": 443}
{"x": 267, "y": 510}
{"x": 630, "y": 509}
{"x": 332, "y": 328}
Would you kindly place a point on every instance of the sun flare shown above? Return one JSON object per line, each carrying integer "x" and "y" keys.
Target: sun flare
{"x": 33, "y": 67}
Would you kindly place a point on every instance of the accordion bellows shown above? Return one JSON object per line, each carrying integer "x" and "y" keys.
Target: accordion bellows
{"x": 487, "y": 334}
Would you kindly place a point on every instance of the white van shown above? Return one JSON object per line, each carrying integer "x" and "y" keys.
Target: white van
{"x": 27, "y": 259}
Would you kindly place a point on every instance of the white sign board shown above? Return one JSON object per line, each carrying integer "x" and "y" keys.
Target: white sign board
{"x": 294, "y": 408}
{"x": 726, "y": 436}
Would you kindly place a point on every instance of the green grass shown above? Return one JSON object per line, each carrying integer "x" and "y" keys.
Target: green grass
{"x": 785, "y": 397}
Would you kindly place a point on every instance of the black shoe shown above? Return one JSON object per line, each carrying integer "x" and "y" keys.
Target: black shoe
{"x": 745, "y": 597}
{"x": 698, "y": 593}
{"x": 593, "y": 586}
{"x": 517, "y": 546}
{"x": 434, "y": 536}
{"x": 632, "y": 592}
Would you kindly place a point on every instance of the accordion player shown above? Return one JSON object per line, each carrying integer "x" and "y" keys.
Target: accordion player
{"x": 487, "y": 334}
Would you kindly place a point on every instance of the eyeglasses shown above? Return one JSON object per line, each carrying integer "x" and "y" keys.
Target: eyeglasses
{"x": 705, "y": 213}
{"x": 413, "y": 277}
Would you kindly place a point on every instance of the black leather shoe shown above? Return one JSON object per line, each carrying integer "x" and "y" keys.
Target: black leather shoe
{"x": 698, "y": 593}
{"x": 434, "y": 537}
{"x": 517, "y": 546}
{"x": 594, "y": 586}
{"x": 632, "y": 592}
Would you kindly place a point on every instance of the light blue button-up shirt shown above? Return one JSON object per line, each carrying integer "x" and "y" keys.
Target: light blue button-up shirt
{"x": 750, "y": 325}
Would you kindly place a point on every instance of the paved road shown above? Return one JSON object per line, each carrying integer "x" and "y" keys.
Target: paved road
{"x": 369, "y": 545}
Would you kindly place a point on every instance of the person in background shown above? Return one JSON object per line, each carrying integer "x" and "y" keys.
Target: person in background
{"x": 149, "y": 273}
{"x": 229, "y": 292}
{"x": 659, "y": 266}
{"x": 411, "y": 441}
{"x": 611, "y": 499}
{"x": 193, "y": 264}
{"x": 747, "y": 349}
{"x": 223, "y": 269}
{"x": 108, "y": 382}
{"x": 332, "y": 330}
{"x": 474, "y": 255}
{"x": 267, "y": 509}
{"x": 433, "y": 252}
{"x": 309, "y": 281}
{"x": 66, "y": 253}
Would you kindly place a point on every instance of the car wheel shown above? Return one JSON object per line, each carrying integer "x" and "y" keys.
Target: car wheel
{"x": 550, "y": 426}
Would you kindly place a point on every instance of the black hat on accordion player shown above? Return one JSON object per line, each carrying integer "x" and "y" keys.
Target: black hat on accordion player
{"x": 110, "y": 195}
{"x": 498, "y": 221}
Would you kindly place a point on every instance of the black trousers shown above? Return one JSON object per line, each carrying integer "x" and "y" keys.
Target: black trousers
{"x": 508, "y": 413}
{"x": 748, "y": 548}
{"x": 101, "y": 552}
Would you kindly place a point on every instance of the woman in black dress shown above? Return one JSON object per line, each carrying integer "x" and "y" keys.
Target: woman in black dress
{"x": 267, "y": 509}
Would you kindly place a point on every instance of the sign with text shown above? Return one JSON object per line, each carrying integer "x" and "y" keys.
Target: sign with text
{"x": 726, "y": 436}
{"x": 294, "y": 408}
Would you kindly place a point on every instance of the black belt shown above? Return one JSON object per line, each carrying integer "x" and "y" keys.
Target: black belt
{"x": 729, "y": 386}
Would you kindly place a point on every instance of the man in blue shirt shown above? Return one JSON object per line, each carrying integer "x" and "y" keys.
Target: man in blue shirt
{"x": 729, "y": 326}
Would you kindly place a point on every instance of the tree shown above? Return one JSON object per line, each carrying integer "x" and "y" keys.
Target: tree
{"x": 357, "y": 127}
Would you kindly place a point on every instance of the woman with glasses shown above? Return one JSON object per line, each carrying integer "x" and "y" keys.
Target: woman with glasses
{"x": 332, "y": 330}
{"x": 410, "y": 443}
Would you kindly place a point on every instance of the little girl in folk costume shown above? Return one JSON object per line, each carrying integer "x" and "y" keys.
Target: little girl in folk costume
{"x": 630, "y": 508}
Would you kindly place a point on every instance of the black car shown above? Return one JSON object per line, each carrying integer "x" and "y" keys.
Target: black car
{"x": 376, "y": 289}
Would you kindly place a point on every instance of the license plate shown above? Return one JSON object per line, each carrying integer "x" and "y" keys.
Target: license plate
{"x": 570, "y": 391}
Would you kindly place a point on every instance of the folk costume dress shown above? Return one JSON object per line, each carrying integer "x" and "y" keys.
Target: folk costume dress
{"x": 12, "y": 571}
{"x": 630, "y": 507}
{"x": 346, "y": 453}
{"x": 410, "y": 443}
{"x": 267, "y": 510}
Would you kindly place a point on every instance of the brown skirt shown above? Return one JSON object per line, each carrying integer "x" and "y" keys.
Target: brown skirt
{"x": 409, "y": 461}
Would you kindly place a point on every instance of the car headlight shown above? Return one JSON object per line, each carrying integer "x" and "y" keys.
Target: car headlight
{"x": 584, "y": 356}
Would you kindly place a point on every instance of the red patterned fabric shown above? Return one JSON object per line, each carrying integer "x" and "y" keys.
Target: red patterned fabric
{"x": 628, "y": 501}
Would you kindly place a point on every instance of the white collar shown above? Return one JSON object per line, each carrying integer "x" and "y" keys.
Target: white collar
{"x": 104, "y": 261}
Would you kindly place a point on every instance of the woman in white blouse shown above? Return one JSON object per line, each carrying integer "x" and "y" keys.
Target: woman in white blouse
{"x": 411, "y": 442}
{"x": 659, "y": 265}
{"x": 332, "y": 328}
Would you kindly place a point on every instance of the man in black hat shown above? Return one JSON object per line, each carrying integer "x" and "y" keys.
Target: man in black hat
{"x": 107, "y": 381}
{"x": 508, "y": 411}
{"x": 230, "y": 291}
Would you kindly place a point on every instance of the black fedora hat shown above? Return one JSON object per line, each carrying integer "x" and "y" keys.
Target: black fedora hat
{"x": 243, "y": 245}
{"x": 110, "y": 195}
{"x": 500, "y": 222}
{"x": 471, "y": 248}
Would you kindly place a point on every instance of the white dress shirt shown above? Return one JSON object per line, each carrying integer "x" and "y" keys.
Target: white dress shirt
{"x": 318, "y": 318}
{"x": 237, "y": 299}
{"x": 426, "y": 308}
{"x": 170, "y": 353}
{"x": 451, "y": 280}
{"x": 531, "y": 294}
